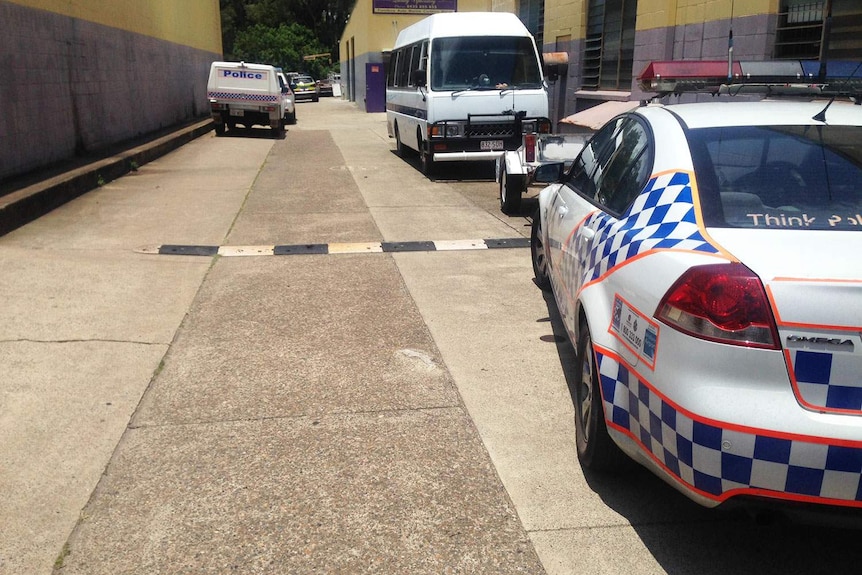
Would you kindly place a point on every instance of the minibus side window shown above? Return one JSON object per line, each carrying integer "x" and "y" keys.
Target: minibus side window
{"x": 415, "y": 57}
{"x": 403, "y": 66}
{"x": 392, "y": 81}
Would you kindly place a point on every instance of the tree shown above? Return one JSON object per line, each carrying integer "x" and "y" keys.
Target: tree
{"x": 283, "y": 46}
{"x": 325, "y": 20}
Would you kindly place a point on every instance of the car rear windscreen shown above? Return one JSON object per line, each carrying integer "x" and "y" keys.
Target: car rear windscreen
{"x": 789, "y": 177}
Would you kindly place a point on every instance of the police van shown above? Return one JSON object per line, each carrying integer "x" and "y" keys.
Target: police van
{"x": 246, "y": 94}
{"x": 464, "y": 86}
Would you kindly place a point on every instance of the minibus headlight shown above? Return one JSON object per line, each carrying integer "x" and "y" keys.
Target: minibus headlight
{"x": 453, "y": 131}
{"x": 447, "y": 130}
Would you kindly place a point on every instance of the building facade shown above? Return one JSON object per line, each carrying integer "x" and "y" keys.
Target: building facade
{"x": 82, "y": 76}
{"x": 608, "y": 43}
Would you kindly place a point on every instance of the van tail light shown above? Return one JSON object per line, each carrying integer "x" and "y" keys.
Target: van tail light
{"x": 218, "y": 106}
{"x": 268, "y": 108}
{"x": 530, "y": 147}
{"x": 725, "y": 303}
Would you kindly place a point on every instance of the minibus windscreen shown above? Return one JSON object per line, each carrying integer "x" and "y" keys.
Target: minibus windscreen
{"x": 484, "y": 63}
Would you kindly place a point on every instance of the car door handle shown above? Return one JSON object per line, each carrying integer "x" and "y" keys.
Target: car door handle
{"x": 562, "y": 211}
{"x": 587, "y": 233}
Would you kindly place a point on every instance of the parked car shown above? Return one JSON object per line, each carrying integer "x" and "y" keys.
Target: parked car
{"x": 325, "y": 86}
{"x": 288, "y": 97}
{"x": 306, "y": 88}
{"x": 703, "y": 260}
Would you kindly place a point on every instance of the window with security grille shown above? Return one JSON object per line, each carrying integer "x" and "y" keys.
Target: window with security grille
{"x": 532, "y": 14}
{"x": 610, "y": 43}
{"x": 800, "y": 27}
{"x": 819, "y": 29}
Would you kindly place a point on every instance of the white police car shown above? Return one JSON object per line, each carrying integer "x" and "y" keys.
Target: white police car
{"x": 705, "y": 259}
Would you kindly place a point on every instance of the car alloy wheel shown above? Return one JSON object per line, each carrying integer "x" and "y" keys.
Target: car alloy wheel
{"x": 538, "y": 254}
{"x": 596, "y": 449}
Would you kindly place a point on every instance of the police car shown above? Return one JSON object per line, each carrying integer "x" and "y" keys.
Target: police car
{"x": 704, "y": 258}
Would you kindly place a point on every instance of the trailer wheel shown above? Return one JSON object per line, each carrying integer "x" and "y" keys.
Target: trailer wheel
{"x": 511, "y": 188}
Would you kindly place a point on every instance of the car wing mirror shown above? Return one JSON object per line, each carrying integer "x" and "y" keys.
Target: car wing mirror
{"x": 549, "y": 173}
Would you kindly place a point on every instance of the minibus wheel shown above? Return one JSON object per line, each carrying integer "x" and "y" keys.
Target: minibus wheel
{"x": 399, "y": 145}
{"x": 426, "y": 160}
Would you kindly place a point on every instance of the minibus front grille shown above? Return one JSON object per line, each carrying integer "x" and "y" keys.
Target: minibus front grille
{"x": 490, "y": 130}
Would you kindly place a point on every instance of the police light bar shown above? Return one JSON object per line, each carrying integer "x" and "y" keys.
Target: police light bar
{"x": 772, "y": 77}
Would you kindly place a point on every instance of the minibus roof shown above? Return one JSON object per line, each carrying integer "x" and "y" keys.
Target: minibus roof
{"x": 453, "y": 24}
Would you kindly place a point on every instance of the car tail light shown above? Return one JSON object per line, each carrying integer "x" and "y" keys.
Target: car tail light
{"x": 722, "y": 302}
{"x": 544, "y": 126}
{"x": 530, "y": 147}
{"x": 218, "y": 106}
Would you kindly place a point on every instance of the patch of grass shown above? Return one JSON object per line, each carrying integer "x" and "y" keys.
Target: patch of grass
{"x": 61, "y": 558}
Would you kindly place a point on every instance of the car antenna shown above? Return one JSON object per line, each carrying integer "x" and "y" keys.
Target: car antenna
{"x": 821, "y": 115}
{"x": 730, "y": 47}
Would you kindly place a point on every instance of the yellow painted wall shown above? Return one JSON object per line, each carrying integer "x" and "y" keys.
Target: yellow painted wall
{"x": 565, "y": 18}
{"x": 568, "y": 17}
{"x": 162, "y": 19}
{"x": 377, "y": 32}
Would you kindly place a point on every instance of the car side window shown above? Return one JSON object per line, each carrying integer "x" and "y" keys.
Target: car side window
{"x": 627, "y": 168}
{"x": 587, "y": 168}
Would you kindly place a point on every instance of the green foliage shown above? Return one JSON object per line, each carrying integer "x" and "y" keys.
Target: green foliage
{"x": 325, "y": 21}
{"x": 283, "y": 47}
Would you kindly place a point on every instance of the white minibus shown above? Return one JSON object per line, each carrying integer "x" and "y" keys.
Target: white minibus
{"x": 464, "y": 86}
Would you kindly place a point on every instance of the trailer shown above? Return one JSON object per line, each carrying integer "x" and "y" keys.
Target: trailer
{"x": 515, "y": 169}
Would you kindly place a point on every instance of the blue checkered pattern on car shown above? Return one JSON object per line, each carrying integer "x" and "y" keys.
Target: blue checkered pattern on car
{"x": 828, "y": 380}
{"x": 716, "y": 460}
{"x": 662, "y": 217}
{"x": 242, "y": 96}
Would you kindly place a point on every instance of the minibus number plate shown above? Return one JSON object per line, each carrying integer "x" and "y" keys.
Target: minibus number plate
{"x": 491, "y": 145}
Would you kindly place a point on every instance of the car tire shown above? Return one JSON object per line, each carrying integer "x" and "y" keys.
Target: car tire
{"x": 511, "y": 188}
{"x": 539, "y": 255}
{"x": 596, "y": 450}
{"x": 291, "y": 118}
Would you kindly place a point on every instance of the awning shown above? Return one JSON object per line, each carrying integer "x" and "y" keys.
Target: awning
{"x": 596, "y": 117}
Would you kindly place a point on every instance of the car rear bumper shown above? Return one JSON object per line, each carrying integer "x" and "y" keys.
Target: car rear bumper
{"x": 711, "y": 460}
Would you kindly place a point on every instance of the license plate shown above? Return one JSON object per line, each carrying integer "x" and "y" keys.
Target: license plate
{"x": 491, "y": 145}
{"x": 235, "y": 112}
